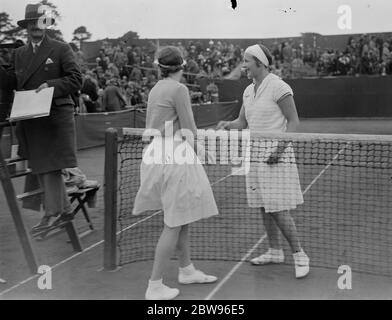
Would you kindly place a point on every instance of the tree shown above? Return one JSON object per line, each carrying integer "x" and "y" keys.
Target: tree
{"x": 8, "y": 31}
{"x": 130, "y": 37}
{"x": 81, "y": 34}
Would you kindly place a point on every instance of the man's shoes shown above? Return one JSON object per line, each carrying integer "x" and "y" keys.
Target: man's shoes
{"x": 271, "y": 256}
{"x": 64, "y": 217}
{"x": 46, "y": 225}
{"x": 43, "y": 225}
{"x": 301, "y": 263}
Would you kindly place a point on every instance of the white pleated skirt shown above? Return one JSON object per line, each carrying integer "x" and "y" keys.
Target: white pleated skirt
{"x": 274, "y": 187}
{"x": 174, "y": 180}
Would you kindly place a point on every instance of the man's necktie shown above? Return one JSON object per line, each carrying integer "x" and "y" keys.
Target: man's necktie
{"x": 35, "y": 48}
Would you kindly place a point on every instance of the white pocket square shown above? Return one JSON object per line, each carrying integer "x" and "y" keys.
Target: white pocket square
{"x": 49, "y": 61}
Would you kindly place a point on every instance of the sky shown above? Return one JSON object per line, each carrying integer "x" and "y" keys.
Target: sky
{"x": 212, "y": 18}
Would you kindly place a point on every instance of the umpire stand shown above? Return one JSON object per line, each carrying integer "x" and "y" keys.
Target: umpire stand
{"x": 10, "y": 195}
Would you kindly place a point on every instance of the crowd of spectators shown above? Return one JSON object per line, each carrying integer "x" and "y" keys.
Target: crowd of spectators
{"x": 123, "y": 75}
{"x": 366, "y": 55}
{"x": 131, "y": 70}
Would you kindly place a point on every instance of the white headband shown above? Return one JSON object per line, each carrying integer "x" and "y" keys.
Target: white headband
{"x": 156, "y": 62}
{"x": 257, "y": 52}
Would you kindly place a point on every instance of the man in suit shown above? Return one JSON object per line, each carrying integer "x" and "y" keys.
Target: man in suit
{"x": 48, "y": 143}
{"x": 113, "y": 100}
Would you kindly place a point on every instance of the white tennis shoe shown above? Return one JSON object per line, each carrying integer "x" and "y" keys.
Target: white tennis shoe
{"x": 196, "y": 276}
{"x": 271, "y": 256}
{"x": 301, "y": 263}
{"x": 161, "y": 292}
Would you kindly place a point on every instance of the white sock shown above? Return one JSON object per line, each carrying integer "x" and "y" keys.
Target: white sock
{"x": 188, "y": 269}
{"x": 153, "y": 284}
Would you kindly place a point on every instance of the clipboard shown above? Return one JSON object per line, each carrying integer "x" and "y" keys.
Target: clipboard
{"x": 29, "y": 104}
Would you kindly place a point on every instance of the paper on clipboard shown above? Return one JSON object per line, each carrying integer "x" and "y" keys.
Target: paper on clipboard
{"x": 29, "y": 104}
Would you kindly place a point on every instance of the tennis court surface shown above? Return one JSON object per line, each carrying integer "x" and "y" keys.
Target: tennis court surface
{"x": 346, "y": 184}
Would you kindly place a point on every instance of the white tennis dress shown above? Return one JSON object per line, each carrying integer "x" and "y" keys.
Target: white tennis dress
{"x": 172, "y": 177}
{"x": 274, "y": 187}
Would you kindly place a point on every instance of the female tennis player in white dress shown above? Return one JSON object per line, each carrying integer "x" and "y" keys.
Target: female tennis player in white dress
{"x": 272, "y": 183}
{"x": 175, "y": 181}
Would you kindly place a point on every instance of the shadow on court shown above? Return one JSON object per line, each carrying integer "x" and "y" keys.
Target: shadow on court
{"x": 79, "y": 278}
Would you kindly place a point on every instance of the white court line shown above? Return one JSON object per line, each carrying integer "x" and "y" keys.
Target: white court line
{"x": 236, "y": 267}
{"x": 87, "y": 249}
{"x": 245, "y": 257}
{"x": 322, "y": 171}
{"x": 53, "y": 267}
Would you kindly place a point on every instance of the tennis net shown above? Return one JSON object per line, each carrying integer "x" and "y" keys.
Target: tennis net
{"x": 345, "y": 180}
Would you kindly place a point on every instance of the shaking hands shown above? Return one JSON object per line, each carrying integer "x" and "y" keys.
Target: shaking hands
{"x": 223, "y": 125}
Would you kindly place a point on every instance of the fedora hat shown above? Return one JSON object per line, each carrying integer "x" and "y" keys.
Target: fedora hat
{"x": 32, "y": 14}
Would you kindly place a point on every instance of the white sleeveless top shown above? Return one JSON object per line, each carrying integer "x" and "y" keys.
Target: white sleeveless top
{"x": 262, "y": 111}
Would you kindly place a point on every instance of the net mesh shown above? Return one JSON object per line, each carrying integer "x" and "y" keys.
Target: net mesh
{"x": 345, "y": 181}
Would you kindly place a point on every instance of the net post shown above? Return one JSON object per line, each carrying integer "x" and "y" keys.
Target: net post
{"x": 110, "y": 197}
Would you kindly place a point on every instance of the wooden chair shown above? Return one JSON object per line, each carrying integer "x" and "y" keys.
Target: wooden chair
{"x": 80, "y": 195}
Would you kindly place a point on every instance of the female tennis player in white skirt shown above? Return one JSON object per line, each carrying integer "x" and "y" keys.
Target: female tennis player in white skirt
{"x": 172, "y": 177}
{"x": 272, "y": 182}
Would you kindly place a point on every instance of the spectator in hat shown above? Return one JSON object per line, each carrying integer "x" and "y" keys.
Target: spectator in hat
{"x": 113, "y": 100}
{"x": 120, "y": 58}
{"x": 136, "y": 75}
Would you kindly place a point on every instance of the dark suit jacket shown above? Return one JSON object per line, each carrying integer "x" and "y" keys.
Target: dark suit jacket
{"x": 112, "y": 99}
{"x": 6, "y": 98}
{"x": 48, "y": 143}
